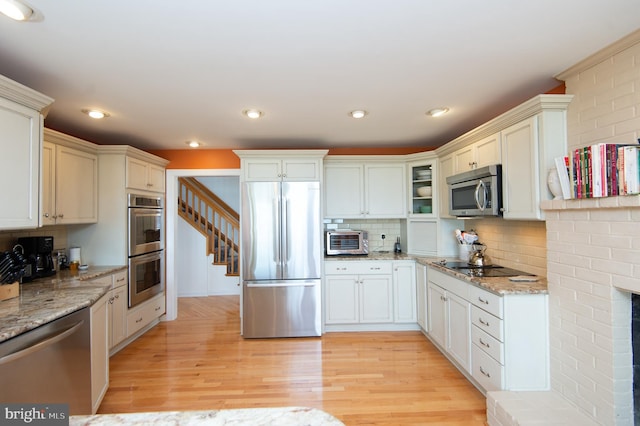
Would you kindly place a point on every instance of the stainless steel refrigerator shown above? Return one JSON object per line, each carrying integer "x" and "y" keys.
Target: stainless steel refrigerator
{"x": 281, "y": 259}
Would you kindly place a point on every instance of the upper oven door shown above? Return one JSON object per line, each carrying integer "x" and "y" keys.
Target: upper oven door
{"x": 145, "y": 230}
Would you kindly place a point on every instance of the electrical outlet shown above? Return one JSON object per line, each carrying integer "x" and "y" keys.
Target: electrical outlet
{"x": 383, "y": 236}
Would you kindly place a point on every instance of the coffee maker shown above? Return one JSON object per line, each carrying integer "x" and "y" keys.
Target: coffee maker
{"x": 37, "y": 251}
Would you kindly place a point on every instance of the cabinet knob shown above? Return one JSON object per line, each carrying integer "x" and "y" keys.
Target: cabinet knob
{"x": 46, "y": 215}
{"x": 60, "y": 215}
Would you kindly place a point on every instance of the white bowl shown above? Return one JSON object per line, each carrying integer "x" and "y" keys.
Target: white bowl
{"x": 425, "y": 191}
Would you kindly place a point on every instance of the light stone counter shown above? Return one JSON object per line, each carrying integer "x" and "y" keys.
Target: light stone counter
{"x": 500, "y": 286}
{"x": 288, "y": 416}
{"x": 47, "y": 299}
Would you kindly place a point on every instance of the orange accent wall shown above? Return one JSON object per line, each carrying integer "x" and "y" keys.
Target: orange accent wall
{"x": 226, "y": 159}
{"x": 558, "y": 90}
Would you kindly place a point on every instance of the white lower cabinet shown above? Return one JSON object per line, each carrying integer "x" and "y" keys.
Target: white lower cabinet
{"x": 369, "y": 295}
{"x": 501, "y": 341}
{"x": 99, "y": 352}
{"x": 404, "y": 292}
{"x": 358, "y": 292}
{"x": 118, "y": 309}
{"x": 449, "y": 325}
{"x": 421, "y": 291}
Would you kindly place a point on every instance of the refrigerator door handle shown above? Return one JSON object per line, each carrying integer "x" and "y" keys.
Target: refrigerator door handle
{"x": 285, "y": 232}
{"x": 277, "y": 258}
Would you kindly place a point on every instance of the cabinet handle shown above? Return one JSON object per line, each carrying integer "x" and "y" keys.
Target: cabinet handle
{"x": 375, "y": 268}
{"x": 60, "y": 215}
{"x": 119, "y": 280}
{"x": 484, "y": 372}
{"x": 486, "y": 302}
{"x": 486, "y": 345}
{"x": 341, "y": 269}
{"x": 157, "y": 308}
{"x": 483, "y": 322}
{"x": 139, "y": 320}
{"x": 111, "y": 300}
{"x": 117, "y": 296}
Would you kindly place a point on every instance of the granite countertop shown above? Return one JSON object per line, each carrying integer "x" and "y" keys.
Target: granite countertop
{"x": 46, "y": 299}
{"x": 498, "y": 285}
{"x": 288, "y": 416}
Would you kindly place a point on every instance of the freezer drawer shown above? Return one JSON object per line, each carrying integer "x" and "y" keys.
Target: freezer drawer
{"x": 278, "y": 309}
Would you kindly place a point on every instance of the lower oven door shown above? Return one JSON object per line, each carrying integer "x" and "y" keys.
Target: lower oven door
{"x": 146, "y": 276}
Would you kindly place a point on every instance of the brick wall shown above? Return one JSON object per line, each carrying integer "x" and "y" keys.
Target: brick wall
{"x": 594, "y": 244}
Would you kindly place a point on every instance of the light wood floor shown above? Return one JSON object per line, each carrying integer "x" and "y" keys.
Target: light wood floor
{"x": 201, "y": 362}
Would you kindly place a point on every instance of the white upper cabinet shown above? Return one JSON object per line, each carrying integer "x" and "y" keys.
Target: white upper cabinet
{"x": 482, "y": 153}
{"x": 528, "y": 152}
{"x": 281, "y": 165}
{"x": 69, "y": 180}
{"x": 21, "y": 124}
{"x": 364, "y": 190}
{"x": 145, "y": 176}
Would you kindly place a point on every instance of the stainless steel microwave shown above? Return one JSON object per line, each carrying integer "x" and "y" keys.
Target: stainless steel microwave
{"x": 476, "y": 193}
{"x": 341, "y": 242}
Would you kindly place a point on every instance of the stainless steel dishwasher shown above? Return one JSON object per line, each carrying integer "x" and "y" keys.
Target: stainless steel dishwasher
{"x": 50, "y": 364}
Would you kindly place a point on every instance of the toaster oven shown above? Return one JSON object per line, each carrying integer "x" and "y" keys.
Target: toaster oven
{"x": 342, "y": 242}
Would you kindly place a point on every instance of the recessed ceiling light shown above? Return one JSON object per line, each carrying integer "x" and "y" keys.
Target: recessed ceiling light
{"x": 253, "y": 113}
{"x": 193, "y": 144}
{"x": 15, "y": 9}
{"x": 359, "y": 113}
{"x": 437, "y": 112}
{"x": 95, "y": 113}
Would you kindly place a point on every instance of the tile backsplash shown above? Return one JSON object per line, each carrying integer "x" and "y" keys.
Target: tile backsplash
{"x": 59, "y": 233}
{"x": 513, "y": 243}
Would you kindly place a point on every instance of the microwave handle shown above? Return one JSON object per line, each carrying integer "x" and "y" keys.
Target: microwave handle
{"x": 481, "y": 186}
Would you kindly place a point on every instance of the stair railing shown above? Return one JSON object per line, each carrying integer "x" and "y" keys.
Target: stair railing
{"x": 214, "y": 219}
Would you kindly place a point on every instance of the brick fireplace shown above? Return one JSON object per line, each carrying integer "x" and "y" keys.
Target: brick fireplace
{"x": 592, "y": 268}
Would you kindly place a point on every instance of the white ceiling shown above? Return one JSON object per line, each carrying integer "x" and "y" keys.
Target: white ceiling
{"x": 168, "y": 72}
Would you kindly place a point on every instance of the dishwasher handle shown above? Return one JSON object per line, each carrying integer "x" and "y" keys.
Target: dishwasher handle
{"x": 48, "y": 341}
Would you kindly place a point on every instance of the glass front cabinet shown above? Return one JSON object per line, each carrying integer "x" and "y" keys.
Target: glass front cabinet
{"x": 423, "y": 188}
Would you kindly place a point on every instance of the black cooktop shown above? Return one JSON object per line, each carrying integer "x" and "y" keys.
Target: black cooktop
{"x": 483, "y": 271}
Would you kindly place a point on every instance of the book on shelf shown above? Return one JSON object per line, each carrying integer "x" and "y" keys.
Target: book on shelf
{"x": 603, "y": 170}
{"x": 563, "y": 168}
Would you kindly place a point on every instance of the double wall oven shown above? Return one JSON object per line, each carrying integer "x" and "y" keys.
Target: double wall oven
{"x": 146, "y": 247}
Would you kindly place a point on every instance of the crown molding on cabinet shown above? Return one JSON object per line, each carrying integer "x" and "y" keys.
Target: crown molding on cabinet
{"x": 24, "y": 95}
{"x": 132, "y": 152}
{"x": 515, "y": 115}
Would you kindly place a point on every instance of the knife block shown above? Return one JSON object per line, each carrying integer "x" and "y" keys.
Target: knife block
{"x": 9, "y": 291}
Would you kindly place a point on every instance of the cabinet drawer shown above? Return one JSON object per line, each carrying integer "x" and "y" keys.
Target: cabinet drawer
{"x": 357, "y": 267}
{"x": 490, "y": 302}
{"x": 488, "y": 323}
{"x": 488, "y": 343}
{"x": 144, "y": 314}
{"x": 486, "y": 370}
{"x": 120, "y": 279}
